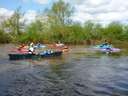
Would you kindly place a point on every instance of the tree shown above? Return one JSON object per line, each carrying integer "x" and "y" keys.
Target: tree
{"x": 60, "y": 13}
{"x": 13, "y": 24}
{"x": 113, "y": 31}
{"x": 4, "y": 37}
{"x": 125, "y": 32}
{"x": 59, "y": 19}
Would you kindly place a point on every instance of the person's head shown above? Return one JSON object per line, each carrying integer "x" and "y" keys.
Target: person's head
{"x": 58, "y": 42}
{"x": 105, "y": 40}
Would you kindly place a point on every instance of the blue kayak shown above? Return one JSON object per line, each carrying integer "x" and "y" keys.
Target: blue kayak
{"x": 106, "y": 48}
{"x": 101, "y": 46}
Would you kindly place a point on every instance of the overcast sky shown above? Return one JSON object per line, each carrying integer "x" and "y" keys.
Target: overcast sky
{"x": 102, "y": 11}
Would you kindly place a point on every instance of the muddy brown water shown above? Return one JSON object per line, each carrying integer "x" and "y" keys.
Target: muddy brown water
{"x": 75, "y": 73}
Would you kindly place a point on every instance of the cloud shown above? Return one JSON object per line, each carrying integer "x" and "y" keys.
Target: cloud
{"x": 36, "y": 1}
{"x": 41, "y": 1}
{"x": 5, "y": 14}
{"x": 28, "y": 17}
{"x": 100, "y": 10}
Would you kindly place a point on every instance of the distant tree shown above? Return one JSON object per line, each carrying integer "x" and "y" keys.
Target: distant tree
{"x": 125, "y": 32}
{"x": 92, "y": 32}
{"x": 113, "y": 31}
{"x": 4, "y": 37}
{"x": 32, "y": 32}
{"x": 14, "y": 25}
{"x": 60, "y": 13}
{"x": 76, "y": 34}
{"x": 96, "y": 32}
{"x": 87, "y": 28}
{"x": 58, "y": 19}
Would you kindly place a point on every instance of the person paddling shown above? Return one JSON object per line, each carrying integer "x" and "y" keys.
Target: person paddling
{"x": 108, "y": 46}
{"x": 31, "y": 48}
{"x": 105, "y": 43}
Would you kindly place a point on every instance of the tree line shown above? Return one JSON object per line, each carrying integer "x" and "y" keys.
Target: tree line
{"x": 55, "y": 25}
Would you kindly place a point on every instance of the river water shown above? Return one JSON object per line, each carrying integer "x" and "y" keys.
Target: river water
{"x": 75, "y": 73}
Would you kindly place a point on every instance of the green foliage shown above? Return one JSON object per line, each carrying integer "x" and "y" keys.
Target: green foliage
{"x": 13, "y": 25}
{"x": 76, "y": 34}
{"x": 114, "y": 30}
{"x": 32, "y": 33}
{"x": 4, "y": 37}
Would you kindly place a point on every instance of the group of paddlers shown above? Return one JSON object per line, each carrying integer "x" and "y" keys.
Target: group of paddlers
{"x": 31, "y": 47}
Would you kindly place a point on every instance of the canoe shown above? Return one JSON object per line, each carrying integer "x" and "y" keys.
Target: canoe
{"x": 20, "y": 56}
{"x": 17, "y": 56}
{"x": 23, "y": 51}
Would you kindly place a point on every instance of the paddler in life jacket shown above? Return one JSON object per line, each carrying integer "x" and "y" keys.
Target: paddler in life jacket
{"x": 59, "y": 44}
{"x": 31, "y": 48}
{"x": 107, "y": 45}
{"x": 104, "y": 44}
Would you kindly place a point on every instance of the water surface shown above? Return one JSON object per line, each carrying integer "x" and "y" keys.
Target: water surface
{"x": 77, "y": 73}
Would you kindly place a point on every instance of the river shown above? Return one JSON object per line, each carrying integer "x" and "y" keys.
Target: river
{"x": 75, "y": 73}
